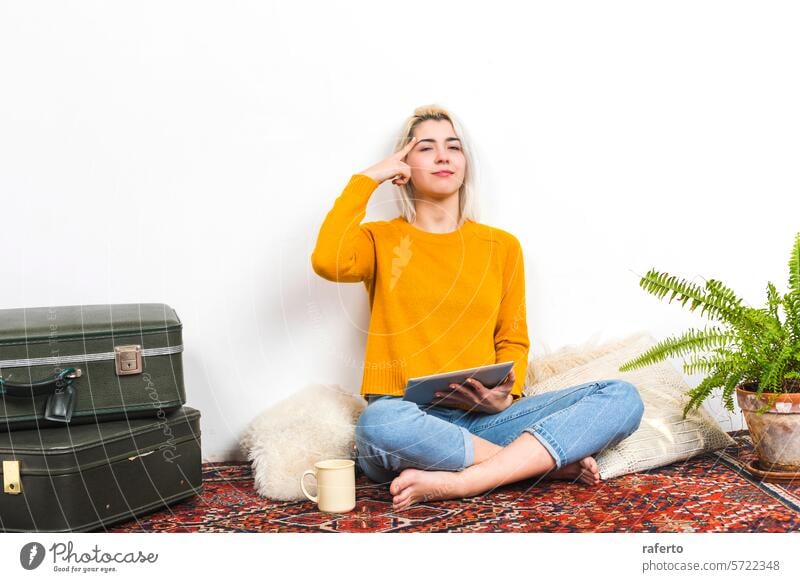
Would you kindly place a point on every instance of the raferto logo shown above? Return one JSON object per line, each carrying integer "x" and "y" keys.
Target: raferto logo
{"x": 31, "y": 555}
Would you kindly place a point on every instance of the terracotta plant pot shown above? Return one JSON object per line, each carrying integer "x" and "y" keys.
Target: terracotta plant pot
{"x": 776, "y": 432}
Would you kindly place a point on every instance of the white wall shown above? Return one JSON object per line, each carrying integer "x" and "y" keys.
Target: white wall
{"x": 187, "y": 152}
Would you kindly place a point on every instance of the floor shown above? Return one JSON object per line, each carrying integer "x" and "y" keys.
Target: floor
{"x": 710, "y": 493}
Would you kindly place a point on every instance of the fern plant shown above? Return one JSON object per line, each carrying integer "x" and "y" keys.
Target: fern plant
{"x": 748, "y": 346}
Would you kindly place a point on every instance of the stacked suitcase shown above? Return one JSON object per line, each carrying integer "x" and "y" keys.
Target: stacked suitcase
{"x": 93, "y": 427}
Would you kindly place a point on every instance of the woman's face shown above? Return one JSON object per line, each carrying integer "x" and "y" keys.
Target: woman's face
{"x": 438, "y": 149}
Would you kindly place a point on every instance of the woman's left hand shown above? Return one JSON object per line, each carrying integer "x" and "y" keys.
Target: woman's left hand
{"x": 475, "y": 397}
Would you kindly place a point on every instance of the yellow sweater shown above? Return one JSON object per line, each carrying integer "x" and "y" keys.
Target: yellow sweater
{"x": 438, "y": 302}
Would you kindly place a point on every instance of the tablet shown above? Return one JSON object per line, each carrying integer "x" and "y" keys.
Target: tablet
{"x": 421, "y": 390}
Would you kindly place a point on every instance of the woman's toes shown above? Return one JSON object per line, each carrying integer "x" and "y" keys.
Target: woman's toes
{"x": 589, "y": 466}
{"x": 398, "y": 499}
{"x": 402, "y": 501}
{"x": 400, "y": 506}
{"x": 588, "y": 479}
{"x": 400, "y": 482}
{"x": 395, "y": 488}
{"x": 591, "y": 478}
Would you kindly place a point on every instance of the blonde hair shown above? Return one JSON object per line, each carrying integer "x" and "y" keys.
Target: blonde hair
{"x": 467, "y": 195}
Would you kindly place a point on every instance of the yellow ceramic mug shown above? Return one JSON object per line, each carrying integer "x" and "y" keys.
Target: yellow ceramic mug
{"x": 336, "y": 485}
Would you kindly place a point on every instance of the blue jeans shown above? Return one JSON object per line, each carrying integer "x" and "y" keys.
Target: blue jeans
{"x": 393, "y": 434}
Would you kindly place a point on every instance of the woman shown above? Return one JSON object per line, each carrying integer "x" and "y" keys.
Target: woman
{"x": 447, "y": 293}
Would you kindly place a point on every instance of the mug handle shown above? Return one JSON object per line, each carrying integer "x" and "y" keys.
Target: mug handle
{"x": 313, "y": 498}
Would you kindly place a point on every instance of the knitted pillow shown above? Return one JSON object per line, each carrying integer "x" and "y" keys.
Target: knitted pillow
{"x": 663, "y": 436}
{"x": 318, "y": 422}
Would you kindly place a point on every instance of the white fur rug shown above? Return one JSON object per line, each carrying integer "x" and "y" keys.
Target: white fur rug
{"x": 316, "y": 423}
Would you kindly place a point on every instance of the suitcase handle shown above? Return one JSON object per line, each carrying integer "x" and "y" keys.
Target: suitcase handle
{"x": 59, "y": 390}
{"x": 42, "y": 387}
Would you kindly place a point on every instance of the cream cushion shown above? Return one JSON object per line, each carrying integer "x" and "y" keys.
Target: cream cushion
{"x": 664, "y": 436}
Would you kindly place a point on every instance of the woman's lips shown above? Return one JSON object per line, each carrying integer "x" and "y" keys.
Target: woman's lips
{"x": 443, "y": 174}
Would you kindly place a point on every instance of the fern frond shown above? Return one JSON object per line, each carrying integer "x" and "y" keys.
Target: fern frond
{"x": 659, "y": 284}
{"x": 772, "y": 376}
{"x": 794, "y": 266}
{"x": 791, "y": 308}
{"x": 728, "y": 390}
{"x": 765, "y": 324}
{"x": 725, "y": 296}
{"x": 697, "y": 364}
{"x": 691, "y": 341}
{"x": 703, "y": 390}
{"x": 707, "y": 364}
{"x": 773, "y": 303}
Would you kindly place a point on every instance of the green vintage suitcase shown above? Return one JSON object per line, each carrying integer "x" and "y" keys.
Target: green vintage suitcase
{"x": 88, "y": 363}
{"x": 85, "y": 477}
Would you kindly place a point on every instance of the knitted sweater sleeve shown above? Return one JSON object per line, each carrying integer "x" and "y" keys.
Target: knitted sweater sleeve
{"x": 511, "y": 330}
{"x": 345, "y": 250}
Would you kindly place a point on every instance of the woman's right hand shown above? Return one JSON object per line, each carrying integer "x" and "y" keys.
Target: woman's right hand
{"x": 392, "y": 167}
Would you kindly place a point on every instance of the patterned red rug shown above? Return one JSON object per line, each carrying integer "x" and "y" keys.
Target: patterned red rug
{"x": 711, "y": 493}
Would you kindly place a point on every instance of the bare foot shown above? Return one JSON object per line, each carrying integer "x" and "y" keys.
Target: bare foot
{"x": 413, "y": 485}
{"x": 584, "y": 470}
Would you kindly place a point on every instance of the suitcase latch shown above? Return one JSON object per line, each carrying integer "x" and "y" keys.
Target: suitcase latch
{"x": 11, "y": 481}
{"x": 129, "y": 359}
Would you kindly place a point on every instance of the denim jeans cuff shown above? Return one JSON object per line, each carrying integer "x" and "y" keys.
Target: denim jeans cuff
{"x": 549, "y": 443}
{"x": 469, "y": 448}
